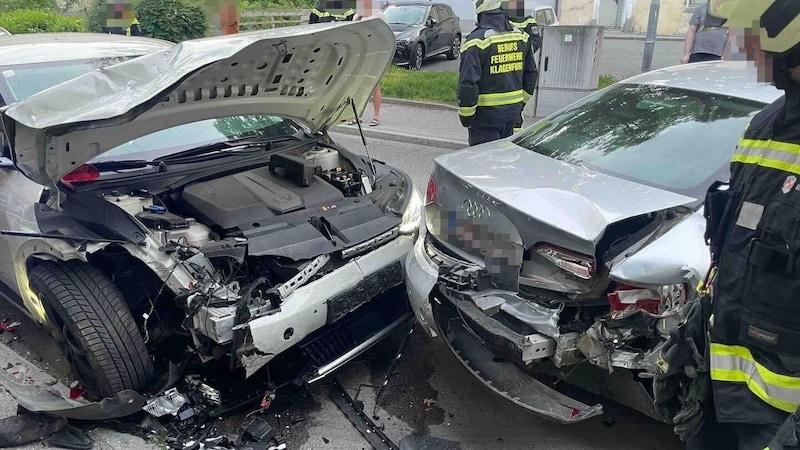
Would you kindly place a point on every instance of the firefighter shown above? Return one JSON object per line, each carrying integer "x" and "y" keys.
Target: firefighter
{"x": 497, "y": 75}
{"x": 321, "y": 15}
{"x": 135, "y": 29}
{"x": 528, "y": 25}
{"x": 751, "y": 364}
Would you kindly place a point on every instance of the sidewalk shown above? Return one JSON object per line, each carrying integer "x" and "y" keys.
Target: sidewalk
{"x": 413, "y": 123}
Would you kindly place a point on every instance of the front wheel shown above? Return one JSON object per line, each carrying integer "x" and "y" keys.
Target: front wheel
{"x": 455, "y": 48}
{"x": 416, "y": 57}
{"x": 95, "y": 327}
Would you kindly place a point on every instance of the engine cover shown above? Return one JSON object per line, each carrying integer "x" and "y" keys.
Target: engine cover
{"x": 244, "y": 199}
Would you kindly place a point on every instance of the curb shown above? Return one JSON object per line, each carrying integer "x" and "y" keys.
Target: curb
{"x": 643, "y": 37}
{"x": 418, "y": 104}
{"x": 401, "y": 137}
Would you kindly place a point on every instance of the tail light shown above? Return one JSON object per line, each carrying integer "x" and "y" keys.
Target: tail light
{"x": 430, "y": 193}
{"x": 648, "y": 299}
{"x": 82, "y": 174}
{"x": 581, "y": 266}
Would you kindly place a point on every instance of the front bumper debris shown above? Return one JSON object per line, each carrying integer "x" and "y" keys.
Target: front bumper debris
{"x": 326, "y": 301}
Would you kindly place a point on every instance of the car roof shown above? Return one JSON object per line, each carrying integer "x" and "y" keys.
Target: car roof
{"x": 36, "y": 48}
{"x": 731, "y": 78}
{"x": 416, "y": 3}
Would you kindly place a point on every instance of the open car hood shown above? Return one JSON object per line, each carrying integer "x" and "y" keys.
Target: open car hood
{"x": 307, "y": 73}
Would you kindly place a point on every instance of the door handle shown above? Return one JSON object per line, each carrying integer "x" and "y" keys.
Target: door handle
{"x": 546, "y": 62}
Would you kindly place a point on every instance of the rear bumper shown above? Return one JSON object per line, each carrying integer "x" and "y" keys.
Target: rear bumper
{"x": 454, "y": 315}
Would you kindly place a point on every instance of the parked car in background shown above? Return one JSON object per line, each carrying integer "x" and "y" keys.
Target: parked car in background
{"x": 184, "y": 206}
{"x": 423, "y": 30}
{"x": 4, "y": 32}
{"x": 581, "y": 238}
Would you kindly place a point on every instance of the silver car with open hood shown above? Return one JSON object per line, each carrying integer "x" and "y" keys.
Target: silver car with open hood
{"x": 569, "y": 250}
{"x": 192, "y": 199}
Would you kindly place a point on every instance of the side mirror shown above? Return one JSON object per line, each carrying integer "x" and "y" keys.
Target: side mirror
{"x": 431, "y": 21}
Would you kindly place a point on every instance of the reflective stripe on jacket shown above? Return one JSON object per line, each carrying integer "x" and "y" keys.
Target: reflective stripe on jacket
{"x": 735, "y": 364}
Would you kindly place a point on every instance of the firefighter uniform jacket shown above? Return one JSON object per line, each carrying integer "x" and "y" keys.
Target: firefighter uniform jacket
{"x": 320, "y": 15}
{"x": 528, "y": 25}
{"x": 497, "y": 74}
{"x": 754, "y": 346}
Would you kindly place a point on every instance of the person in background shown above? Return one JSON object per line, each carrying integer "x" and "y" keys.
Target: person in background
{"x": 376, "y": 96}
{"x": 229, "y": 17}
{"x": 320, "y": 15}
{"x": 135, "y": 29}
{"x": 705, "y": 45}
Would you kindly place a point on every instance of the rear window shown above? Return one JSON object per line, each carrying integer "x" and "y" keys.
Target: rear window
{"x": 668, "y": 138}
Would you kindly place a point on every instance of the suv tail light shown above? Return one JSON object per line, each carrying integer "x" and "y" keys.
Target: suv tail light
{"x": 581, "y": 266}
{"x": 430, "y": 193}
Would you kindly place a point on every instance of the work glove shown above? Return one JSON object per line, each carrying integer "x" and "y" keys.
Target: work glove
{"x": 681, "y": 385}
{"x": 466, "y": 122}
{"x": 788, "y": 435}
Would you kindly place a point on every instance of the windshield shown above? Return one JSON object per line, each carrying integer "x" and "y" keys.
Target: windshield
{"x": 205, "y": 132}
{"x": 673, "y": 139}
{"x": 406, "y": 15}
{"x": 22, "y": 81}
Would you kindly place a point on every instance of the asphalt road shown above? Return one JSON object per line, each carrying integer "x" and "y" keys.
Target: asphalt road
{"x": 431, "y": 402}
{"x": 621, "y": 58}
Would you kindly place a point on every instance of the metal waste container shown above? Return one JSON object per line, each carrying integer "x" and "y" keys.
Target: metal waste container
{"x": 568, "y": 66}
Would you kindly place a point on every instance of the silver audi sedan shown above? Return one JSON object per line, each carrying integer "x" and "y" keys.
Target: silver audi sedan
{"x": 581, "y": 238}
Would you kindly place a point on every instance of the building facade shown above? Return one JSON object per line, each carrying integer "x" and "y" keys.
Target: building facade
{"x": 628, "y": 15}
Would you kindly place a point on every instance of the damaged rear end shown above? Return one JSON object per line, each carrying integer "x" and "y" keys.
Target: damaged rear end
{"x": 523, "y": 277}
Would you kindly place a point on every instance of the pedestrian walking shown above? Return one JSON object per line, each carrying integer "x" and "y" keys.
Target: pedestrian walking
{"x": 376, "y": 95}
{"x": 497, "y": 75}
{"x": 702, "y": 44}
{"x": 744, "y": 351}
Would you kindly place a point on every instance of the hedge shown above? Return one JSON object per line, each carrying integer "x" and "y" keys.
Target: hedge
{"x": 37, "y": 21}
{"x": 13, "y": 5}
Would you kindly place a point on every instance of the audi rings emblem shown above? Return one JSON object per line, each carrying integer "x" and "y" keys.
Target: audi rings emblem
{"x": 475, "y": 209}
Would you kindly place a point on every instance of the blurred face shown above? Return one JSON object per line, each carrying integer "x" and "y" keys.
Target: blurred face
{"x": 751, "y": 43}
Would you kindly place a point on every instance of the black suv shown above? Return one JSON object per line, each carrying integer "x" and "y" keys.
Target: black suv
{"x": 423, "y": 29}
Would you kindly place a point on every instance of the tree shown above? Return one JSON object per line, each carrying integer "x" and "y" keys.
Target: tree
{"x": 172, "y": 20}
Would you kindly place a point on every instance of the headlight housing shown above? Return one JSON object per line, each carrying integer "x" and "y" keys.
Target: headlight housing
{"x": 412, "y": 216}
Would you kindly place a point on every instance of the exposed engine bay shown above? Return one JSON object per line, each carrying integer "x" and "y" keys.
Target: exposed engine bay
{"x": 252, "y": 237}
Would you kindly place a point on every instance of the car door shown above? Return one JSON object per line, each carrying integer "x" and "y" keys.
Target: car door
{"x": 447, "y": 21}
{"x": 433, "y": 31}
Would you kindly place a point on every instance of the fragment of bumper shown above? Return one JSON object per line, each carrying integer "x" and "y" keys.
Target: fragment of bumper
{"x": 325, "y": 301}
{"x": 466, "y": 329}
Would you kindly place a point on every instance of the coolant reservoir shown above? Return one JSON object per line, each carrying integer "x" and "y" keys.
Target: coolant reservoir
{"x": 132, "y": 205}
{"x": 326, "y": 158}
{"x": 197, "y": 234}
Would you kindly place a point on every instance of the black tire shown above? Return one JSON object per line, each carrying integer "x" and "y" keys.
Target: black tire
{"x": 416, "y": 56}
{"x": 97, "y": 331}
{"x": 455, "y": 48}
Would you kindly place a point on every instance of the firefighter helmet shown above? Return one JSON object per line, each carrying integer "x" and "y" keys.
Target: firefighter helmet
{"x": 486, "y": 5}
{"x": 778, "y": 21}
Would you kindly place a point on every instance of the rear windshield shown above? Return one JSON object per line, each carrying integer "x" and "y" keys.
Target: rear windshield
{"x": 664, "y": 137}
